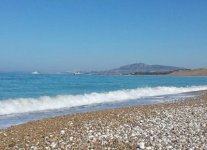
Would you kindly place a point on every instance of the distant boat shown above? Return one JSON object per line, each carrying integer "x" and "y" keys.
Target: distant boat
{"x": 35, "y": 72}
{"x": 77, "y": 73}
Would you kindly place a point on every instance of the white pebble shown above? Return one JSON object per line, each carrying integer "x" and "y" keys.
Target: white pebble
{"x": 34, "y": 148}
{"x": 71, "y": 138}
{"x": 62, "y": 132}
{"x": 53, "y": 145}
{"x": 47, "y": 148}
{"x": 141, "y": 145}
{"x": 169, "y": 147}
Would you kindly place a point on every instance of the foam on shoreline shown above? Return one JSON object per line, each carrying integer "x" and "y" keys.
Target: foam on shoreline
{"x": 124, "y": 128}
{"x": 25, "y": 105}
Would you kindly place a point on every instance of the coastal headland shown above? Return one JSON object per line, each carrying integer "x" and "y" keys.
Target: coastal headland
{"x": 193, "y": 72}
{"x": 145, "y": 69}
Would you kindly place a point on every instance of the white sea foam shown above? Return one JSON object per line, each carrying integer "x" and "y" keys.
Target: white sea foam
{"x": 24, "y": 105}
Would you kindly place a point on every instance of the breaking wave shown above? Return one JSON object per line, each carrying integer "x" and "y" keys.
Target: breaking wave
{"x": 24, "y": 105}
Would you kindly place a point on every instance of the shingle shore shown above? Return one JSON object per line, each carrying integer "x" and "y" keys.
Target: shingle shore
{"x": 179, "y": 125}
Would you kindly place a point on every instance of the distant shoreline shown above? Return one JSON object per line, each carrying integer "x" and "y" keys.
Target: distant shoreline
{"x": 145, "y": 69}
{"x": 194, "y": 72}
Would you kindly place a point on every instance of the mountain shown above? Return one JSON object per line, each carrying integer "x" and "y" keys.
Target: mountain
{"x": 140, "y": 68}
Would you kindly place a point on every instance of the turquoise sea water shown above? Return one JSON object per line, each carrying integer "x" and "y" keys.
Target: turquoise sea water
{"x": 33, "y": 97}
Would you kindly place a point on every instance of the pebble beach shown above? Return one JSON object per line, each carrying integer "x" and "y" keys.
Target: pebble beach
{"x": 178, "y": 125}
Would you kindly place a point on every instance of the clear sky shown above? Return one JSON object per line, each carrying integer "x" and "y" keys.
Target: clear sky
{"x": 59, "y": 35}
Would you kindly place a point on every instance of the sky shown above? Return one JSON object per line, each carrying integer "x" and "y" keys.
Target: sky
{"x": 61, "y": 35}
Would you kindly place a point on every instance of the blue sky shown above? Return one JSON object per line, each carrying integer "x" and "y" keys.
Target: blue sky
{"x": 53, "y": 35}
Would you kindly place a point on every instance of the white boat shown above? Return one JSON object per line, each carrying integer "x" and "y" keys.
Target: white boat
{"x": 35, "y": 72}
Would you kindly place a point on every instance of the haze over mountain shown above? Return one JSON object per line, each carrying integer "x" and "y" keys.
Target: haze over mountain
{"x": 139, "y": 68}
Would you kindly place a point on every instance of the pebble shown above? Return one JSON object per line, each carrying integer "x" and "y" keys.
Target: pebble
{"x": 141, "y": 145}
{"x": 173, "y": 126}
{"x": 47, "y": 148}
{"x": 169, "y": 147}
{"x": 62, "y": 132}
{"x": 34, "y": 148}
{"x": 53, "y": 144}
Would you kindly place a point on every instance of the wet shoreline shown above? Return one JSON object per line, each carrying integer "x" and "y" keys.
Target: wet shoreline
{"x": 177, "y": 125}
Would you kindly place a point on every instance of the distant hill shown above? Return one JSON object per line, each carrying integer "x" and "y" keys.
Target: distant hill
{"x": 140, "y": 68}
{"x": 194, "y": 72}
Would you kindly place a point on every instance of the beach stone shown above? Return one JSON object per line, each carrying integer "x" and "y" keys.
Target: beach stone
{"x": 62, "y": 132}
{"x": 148, "y": 148}
{"x": 71, "y": 138}
{"x": 169, "y": 147}
{"x": 33, "y": 148}
{"x": 53, "y": 145}
{"x": 141, "y": 145}
{"x": 171, "y": 126}
{"x": 47, "y": 148}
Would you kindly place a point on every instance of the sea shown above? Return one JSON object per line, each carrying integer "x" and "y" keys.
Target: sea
{"x": 28, "y": 97}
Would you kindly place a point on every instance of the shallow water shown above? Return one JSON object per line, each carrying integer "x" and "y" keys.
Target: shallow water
{"x": 26, "y": 97}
